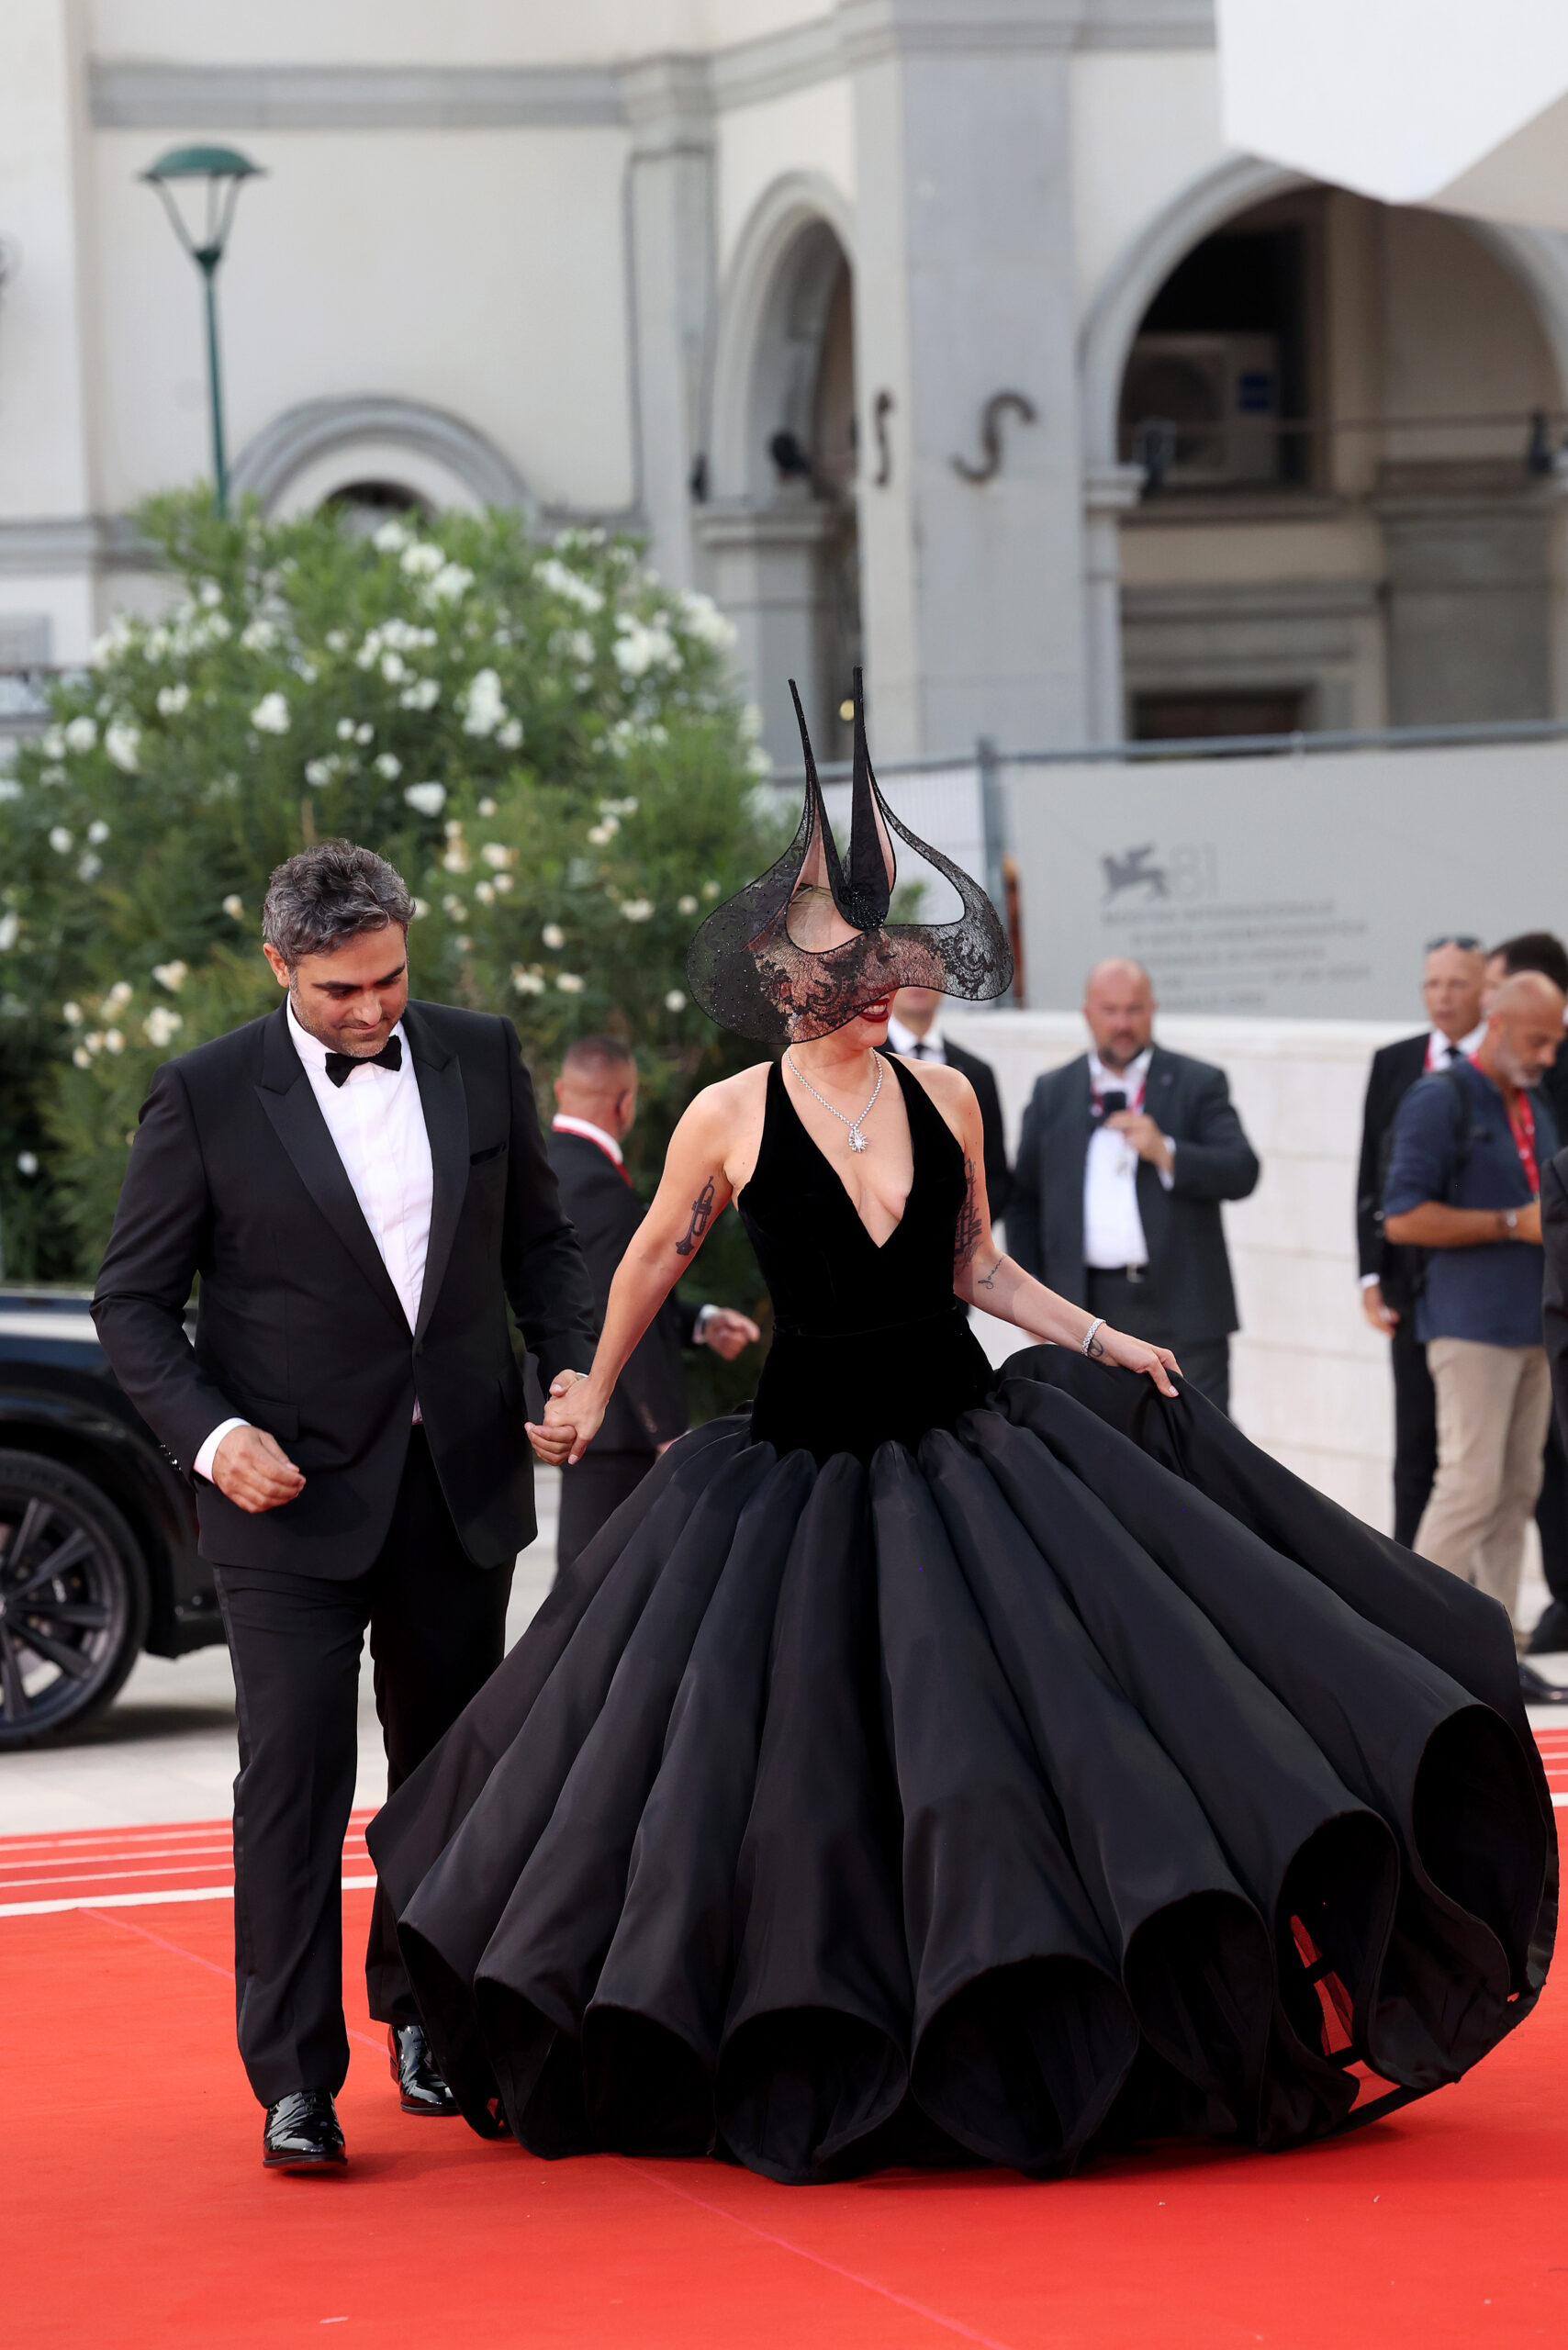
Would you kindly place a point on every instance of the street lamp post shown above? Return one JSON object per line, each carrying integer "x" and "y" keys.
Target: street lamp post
{"x": 225, "y": 171}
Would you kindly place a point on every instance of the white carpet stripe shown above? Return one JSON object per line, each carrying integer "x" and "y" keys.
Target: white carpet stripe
{"x": 149, "y": 1900}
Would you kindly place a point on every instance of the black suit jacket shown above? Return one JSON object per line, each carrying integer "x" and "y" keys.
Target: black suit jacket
{"x": 1394, "y": 1069}
{"x": 1189, "y": 1270}
{"x": 234, "y": 1179}
{"x": 1554, "y": 1295}
{"x": 983, "y": 1077}
{"x": 648, "y": 1406}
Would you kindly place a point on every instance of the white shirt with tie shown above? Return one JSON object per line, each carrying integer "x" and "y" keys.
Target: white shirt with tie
{"x": 929, "y": 1047}
{"x": 1113, "y": 1229}
{"x": 377, "y": 1124}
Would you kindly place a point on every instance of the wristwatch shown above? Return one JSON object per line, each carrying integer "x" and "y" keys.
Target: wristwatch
{"x": 1510, "y": 1222}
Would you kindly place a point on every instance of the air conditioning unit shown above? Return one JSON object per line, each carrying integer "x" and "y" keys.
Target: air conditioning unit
{"x": 1200, "y": 411}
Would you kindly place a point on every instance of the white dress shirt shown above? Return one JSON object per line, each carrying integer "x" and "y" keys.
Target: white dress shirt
{"x": 1441, "y": 1055}
{"x": 377, "y": 1124}
{"x": 1113, "y": 1229}
{"x": 929, "y": 1047}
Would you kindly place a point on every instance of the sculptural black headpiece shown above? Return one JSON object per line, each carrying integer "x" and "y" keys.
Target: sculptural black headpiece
{"x": 772, "y": 962}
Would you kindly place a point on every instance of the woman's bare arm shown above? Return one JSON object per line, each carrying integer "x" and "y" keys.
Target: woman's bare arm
{"x": 694, "y": 1190}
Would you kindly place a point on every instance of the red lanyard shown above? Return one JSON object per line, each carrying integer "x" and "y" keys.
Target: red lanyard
{"x": 1523, "y": 1129}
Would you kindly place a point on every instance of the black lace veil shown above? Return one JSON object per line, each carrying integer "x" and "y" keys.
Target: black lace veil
{"x": 796, "y": 953}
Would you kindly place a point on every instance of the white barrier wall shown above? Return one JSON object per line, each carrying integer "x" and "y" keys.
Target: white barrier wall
{"x": 1310, "y": 1380}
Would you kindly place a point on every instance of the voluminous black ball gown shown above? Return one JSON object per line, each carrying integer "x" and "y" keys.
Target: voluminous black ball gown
{"x": 938, "y": 1764}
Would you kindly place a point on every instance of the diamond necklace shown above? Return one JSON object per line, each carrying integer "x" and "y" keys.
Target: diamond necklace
{"x": 856, "y": 1139}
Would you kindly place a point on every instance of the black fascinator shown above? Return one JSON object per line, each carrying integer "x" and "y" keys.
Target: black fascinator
{"x": 798, "y": 952}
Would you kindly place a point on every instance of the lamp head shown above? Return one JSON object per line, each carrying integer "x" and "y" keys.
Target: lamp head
{"x": 225, "y": 171}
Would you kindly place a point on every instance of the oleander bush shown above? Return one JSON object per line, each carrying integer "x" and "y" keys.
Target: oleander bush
{"x": 542, "y": 738}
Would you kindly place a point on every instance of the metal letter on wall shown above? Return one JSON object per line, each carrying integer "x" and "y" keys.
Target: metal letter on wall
{"x": 999, "y": 404}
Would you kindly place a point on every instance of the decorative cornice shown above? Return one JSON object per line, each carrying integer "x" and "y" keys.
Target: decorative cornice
{"x": 49, "y": 546}
{"x": 647, "y": 94}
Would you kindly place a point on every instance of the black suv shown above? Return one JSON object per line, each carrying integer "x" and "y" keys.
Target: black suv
{"x": 98, "y": 1528}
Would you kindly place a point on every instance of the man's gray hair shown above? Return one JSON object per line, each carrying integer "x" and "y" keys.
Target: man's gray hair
{"x": 330, "y": 894}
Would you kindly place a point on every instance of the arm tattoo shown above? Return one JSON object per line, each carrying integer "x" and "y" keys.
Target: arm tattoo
{"x": 969, "y": 1225}
{"x": 1095, "y": 1351}
{"x": 702, "y": 1218}
{"x": 988, "y": 1280}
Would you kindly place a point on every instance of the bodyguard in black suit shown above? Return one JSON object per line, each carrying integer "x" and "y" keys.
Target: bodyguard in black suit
{"x": 914, "y": 1031}
{"x": 1451, "y": 989}
{"x": 360, "y": 1186}
{"x": 595, "y": 1096}
{"x": 1122, "y": 1162}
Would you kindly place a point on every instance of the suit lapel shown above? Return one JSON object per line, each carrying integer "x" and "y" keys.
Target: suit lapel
{"x": 285, "y": 1095}
{"x": 445, "y": 1107}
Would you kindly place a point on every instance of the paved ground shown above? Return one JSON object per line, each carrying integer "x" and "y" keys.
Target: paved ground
{"x": 165, "y": 1749}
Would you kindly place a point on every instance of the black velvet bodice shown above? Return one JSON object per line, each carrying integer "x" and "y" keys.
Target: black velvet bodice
{"x": 869, "y": 1343}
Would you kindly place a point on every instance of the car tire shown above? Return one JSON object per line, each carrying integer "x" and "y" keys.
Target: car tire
{"x": 75, "y": 1598}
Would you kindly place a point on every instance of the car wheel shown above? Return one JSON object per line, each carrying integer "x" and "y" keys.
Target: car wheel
{"x": 73, "y": 1599}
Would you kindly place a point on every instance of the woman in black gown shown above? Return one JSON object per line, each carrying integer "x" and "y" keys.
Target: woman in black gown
{"x": 935, "y": 1763}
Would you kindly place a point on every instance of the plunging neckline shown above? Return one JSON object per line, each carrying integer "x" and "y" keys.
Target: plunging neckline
{"x": 839, "y": 1182}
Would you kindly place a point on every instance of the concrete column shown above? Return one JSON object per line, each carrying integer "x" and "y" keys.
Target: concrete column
{"x": 670, "y": 228}
{"x": 1107, "y": 496}
{"x": 973, "y": 591}
{"x": 763, "y": 561}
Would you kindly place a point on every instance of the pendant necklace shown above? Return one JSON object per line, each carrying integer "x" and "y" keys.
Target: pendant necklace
{"x": 856, "y": 1139}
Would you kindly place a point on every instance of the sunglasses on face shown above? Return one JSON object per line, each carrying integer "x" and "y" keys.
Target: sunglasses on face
{"x": 1460, "y": 938}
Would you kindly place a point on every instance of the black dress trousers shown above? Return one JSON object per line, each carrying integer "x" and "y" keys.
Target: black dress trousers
{"x": 437, "y": 1628}
{"x": 1126, "y": 1305}
{"x": 1414, "y": 1427}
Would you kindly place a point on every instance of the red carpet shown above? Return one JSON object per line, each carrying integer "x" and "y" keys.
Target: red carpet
{"x": 137, "y": 2213}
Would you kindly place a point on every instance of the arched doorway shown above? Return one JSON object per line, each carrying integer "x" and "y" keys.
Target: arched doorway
{"x": 1346, "y": 419}
{"x": 780, "y": 528}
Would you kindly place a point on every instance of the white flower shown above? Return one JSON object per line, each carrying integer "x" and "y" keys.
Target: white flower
{"x": 751, "y": 722}
{"x": 320, "y": 772}
{"x": 454, "y": 905}
{"x": 393, "y": 666}
{"x": 214, "y": 630}
{"x": 554, "y": 938}
{"x": 485, "y": 892}
{"x": 210, "y": 594}
{"x": 172, "y": 976}
{"x": 27, "y": 1164}
{"x": 336, "y": 639}
{"x": 113, "y": 1041}
{"x": 11, "y": 790}
{"x": 758, "y": 761}
{"x": 162, "y": 1025}
{"x": 123, "y": 742}
{"x": 259, "y": 637}
{"x": 234, "y": 906}
{"x": 52, "y": 742}
{"x": 71, "y": 1014}
{"x": 578, "y": 646}
{"x": 496, "y": 854}
{"x": 636, "y": 909}
{"x": 454, "y": 579}
{"x": 81, "y": 1056}
{"x": 171, "y": 700}
{"x": 365, "y": 733}
{"x": 97, "y": 832}
{"x": 10, "y": 923}
{"x": 453, "y": 828}
{"x": 423, "y": 561}
{"x": 600, "y": 834}
{"x": 706, "y": 622}
{"x": 561, "y": 581}
{"x": 675, "y": 1001}
{"x": 89, "y": 867}
{"x": 456, "y": 858}
{"x": 569, "y": 983}
{"x": 346, "y": 730}
{"x": 118, "y": 996}
{"x": 510, "y": 736}
{"x": 463, "y": 946}
{"x": 390, "y": 766}
{"x": 487, "y": 806}
{"x": 60, "y": 840}
{"x": 481, "y": 703}
{"x": 80, "y": 735}
{"x": 710, "y": 889}
{"x": 422, "y": 908}
{"x": 391, "y": 538}
{"x": 423, "y": 694}
{"x": 528, "y": 982}
{"x": 617, "y": 807}
{"x": 640, "y": 647}
{"x": 503, "y": 880}
{"x": 271, "y": 715}
{"x": 687, "y": 905}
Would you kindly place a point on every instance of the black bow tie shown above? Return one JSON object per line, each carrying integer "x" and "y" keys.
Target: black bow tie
{"x": 340, "y": 1067}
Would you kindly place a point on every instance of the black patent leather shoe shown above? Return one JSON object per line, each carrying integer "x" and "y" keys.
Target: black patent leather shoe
{"x": 420, "y": 2089}
{"x": 302, "y": 2133}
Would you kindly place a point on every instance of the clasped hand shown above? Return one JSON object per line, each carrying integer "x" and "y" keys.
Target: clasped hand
{"x": 571, "y": 1421}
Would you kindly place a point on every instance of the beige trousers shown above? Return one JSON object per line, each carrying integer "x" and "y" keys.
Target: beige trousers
{"x": 1494, "y": 1409}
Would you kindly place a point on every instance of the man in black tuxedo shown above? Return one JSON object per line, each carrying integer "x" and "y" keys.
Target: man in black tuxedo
{"x": 914, "y": 1031}
{"x": 596, "y": 1103}
{"x": 1124, "y": 1158}
{"x": 361, "y": 1185}
{"x": 1451, "y": 981}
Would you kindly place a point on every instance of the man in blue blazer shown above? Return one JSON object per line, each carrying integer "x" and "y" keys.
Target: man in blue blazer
{"x": 1124, "y": 1158}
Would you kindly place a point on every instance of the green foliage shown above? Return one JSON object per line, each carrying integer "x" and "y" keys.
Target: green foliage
{"x": 542, "y": 739}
